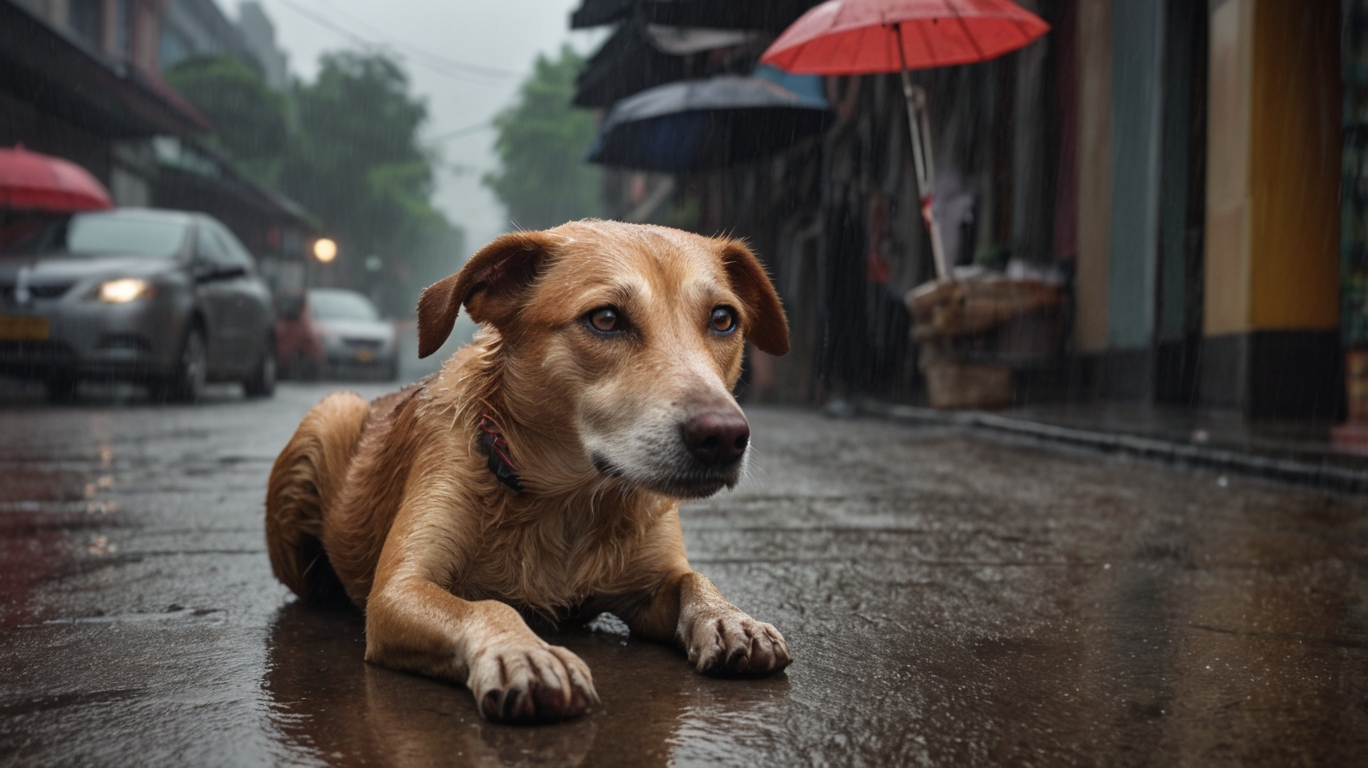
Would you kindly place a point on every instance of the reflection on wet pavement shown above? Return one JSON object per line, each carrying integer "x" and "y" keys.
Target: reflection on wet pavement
{"x": 654, "y": 706}
{"x": 950, "y": 598}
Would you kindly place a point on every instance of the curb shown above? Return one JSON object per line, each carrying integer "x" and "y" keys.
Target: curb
{"x": 1323, "y": 476}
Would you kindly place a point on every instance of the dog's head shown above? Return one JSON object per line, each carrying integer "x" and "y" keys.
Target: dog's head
{"x": 629, "y": 337}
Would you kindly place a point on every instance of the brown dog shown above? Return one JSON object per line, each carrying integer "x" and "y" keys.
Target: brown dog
{"x": 542, "y": 468}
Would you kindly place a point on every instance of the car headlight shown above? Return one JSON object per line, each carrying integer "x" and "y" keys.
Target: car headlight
{"x": 124, "y": 290}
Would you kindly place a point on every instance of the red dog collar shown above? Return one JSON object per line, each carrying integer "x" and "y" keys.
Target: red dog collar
{"x": 496, "y": 448}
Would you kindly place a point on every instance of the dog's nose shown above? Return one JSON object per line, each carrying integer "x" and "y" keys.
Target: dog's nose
{"x": 716, "y": 437}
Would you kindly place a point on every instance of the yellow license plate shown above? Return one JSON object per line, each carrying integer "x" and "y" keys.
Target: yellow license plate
{"x": 364, "y": 355}
{"x": 23, "y": 328}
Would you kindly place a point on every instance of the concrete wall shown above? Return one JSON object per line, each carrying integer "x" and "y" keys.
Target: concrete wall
{"x": 1094, "y": 177}
{"x": 1230, "y": 103}
{"x": 1137, "y": 42}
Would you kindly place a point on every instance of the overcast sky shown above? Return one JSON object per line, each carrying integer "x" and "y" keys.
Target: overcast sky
{"x": 466, "y": 58}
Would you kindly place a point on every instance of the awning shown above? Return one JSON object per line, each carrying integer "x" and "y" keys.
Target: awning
{"x": 681, "y": 41}
{"x": 625, "y": 64}
{"x": 193, "y": 177}
{"x": 64, "y": 78}
{"x": 770, "y": 15}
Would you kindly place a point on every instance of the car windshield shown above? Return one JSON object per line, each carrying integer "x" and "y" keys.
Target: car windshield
{"x": 102, "y": 234}
{"x": 341, "y": 305}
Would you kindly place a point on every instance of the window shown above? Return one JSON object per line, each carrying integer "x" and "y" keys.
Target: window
{"x": 237, "y": 253}
{"x": 97, "y": 234}
{"x": 332, "y": 304}
{"x": 86, "y": 18}
{"x": 209, "y": 245}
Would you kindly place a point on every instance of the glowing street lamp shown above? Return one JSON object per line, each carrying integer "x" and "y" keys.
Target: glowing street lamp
{"x": 325, "y": 250}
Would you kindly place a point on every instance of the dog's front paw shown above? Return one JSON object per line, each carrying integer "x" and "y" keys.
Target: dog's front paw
{"x": 736, "y": 644}
{"x": 537, "y": 684}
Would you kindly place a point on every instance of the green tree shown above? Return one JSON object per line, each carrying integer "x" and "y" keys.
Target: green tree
{"x": 542, "y": 141}
{"x": 355, "y": 161}
{"x": 250, "y": 123}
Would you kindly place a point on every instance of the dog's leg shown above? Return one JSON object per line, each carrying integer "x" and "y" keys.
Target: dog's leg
{"x": 415, "y": 625}
{"x": 719, "y": 638}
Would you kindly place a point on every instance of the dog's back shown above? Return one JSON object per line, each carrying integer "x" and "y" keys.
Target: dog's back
{"x": 334, "y": 491}
{"x": 305, "y": 481}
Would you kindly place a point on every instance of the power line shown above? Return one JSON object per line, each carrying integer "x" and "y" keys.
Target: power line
{"x": 475, "y": 69}
{"x": 437, "y": 63}
{"x": 483, "y": 125}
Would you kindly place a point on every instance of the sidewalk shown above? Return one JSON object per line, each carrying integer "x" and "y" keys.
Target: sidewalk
{"x": 1291, "y": 451}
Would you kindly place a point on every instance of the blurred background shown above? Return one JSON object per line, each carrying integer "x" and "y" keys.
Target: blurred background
{"x": 1158, "y": 203}
{"x": 1094, "y": 272}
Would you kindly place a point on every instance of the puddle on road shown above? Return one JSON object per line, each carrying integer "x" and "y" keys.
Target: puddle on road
{"x": 48, "y": 520}
{"x": 325, "y": 702}
{"x": 54, "y": 521}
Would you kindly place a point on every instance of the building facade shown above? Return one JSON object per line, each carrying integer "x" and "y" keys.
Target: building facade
{"x": 1175, "y": 166}
{"x": 81, "y": 80}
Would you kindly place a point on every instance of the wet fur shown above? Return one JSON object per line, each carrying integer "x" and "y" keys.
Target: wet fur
{"x": 392, "y": 503}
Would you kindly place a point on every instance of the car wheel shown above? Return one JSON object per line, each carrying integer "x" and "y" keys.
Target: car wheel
{"x": 61, "y": 389}
{"x": 186, "y": 383}
{"x": 263, "y": 380}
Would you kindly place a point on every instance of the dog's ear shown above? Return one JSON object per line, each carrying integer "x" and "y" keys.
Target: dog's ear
{"x": 766, "y": 324}
{"x": 489, "y": 285}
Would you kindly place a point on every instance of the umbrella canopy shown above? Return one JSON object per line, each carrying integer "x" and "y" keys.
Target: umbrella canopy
{"x": 715, "y": 123}
{"x": 853, "y": 37}
{"x": 33, "y": 181}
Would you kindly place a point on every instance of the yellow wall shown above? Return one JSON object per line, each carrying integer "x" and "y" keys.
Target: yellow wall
{"x": 1273, "y": 157}
{"x": 1094, "y": 169}
{"x": 1296, "y": 146}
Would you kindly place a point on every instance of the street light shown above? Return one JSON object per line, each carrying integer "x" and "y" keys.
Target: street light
{"x": 325, "y": 250}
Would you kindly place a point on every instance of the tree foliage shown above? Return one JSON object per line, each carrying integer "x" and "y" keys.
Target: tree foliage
{"x": 250, "y": 120}
{"x": 346, "y": 147}
{"x": 542, "y": 140}
{"x": 354, "y": 160}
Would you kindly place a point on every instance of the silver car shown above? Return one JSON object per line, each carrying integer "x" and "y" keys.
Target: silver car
{"x": 356, "y": 341}
{"x": 164, "y": 298}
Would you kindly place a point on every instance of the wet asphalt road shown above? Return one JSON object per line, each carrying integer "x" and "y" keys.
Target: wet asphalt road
{"x": 951, "y": 598}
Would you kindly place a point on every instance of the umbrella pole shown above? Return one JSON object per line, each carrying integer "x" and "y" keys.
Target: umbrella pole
{"x": 920, "y": 132}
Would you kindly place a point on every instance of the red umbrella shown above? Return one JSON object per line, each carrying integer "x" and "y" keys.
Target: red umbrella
{"x": 848, "y": 37}
{"x": 856, "y": 37}
{"x": 33, "y": 181}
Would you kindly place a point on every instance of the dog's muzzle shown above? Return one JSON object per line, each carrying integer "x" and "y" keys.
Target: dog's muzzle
{"x": 716, "y": 439}
{"x": 700, "y": 456}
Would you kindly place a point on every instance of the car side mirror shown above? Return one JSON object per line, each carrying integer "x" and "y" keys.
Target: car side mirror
{"x": 205, "y": 271}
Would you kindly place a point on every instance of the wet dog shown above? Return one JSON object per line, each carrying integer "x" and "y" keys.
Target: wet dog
{"x": 541, "y": 470}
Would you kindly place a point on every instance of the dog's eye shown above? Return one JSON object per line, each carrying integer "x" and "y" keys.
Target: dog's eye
{"x": 605, "y": 320}
{"x": 723, "y": 320}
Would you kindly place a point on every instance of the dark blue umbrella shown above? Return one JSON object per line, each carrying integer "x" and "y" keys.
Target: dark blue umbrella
{"x": 720, "y": 122}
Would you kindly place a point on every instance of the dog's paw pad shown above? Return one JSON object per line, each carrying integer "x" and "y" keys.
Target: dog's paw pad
{"x": 535, "y": 685}
{"x": 737, "y": 645}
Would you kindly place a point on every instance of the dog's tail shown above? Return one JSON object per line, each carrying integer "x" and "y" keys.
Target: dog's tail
{"x": 304, "y": 483}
